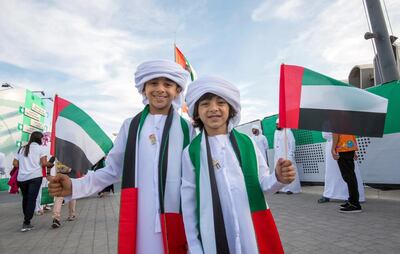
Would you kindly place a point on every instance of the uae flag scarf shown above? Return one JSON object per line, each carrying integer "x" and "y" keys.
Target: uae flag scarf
{"x": 311, "y": 101}
{"x": 169, "y": 163}
{"x": 266, "y": 233}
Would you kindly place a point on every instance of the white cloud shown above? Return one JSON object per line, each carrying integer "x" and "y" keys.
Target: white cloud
{"x": 287, "y": 10}
{"x": 53, "y": 38}
{"x": 94, "y": 45}
{"x": 334, "y": 43}
{"x": 328, "y": 37}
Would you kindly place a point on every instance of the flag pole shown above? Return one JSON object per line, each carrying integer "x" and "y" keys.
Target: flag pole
{"x": 285, "y": 135}
{"x": 53, "y": 127}
{"x": 286, "y": 145}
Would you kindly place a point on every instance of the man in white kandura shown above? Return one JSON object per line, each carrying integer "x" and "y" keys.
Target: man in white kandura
{"x": 261, "y": 141}
{"x": 279, "y": 152}
{"x": 2, "y": 168}
{"x": 335, "y": 187}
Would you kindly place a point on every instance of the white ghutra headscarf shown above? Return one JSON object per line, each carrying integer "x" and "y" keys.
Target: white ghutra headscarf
{"x": 217, "y": 86}
{"x": 161, "y": 68}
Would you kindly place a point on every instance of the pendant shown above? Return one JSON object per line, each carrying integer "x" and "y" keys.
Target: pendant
{"x": 216, "y": 164}
{"x": 152, "y": 138}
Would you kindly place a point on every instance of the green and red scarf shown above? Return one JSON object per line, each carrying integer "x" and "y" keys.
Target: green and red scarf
{"x": 169, "y": 165}
{"x": 266, "y": 233}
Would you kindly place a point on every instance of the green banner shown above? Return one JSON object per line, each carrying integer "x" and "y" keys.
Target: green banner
{"x": 391, "y": 91}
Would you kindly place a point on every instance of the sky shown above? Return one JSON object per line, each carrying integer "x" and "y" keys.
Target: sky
{"x": 87, "y": 51}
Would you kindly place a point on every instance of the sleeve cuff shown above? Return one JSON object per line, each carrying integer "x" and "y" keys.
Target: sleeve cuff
{"x": 75, "y": 188}
{"x": 271, "y": 184}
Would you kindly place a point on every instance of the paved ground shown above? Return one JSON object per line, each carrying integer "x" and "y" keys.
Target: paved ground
{"x": 304, "y": 225}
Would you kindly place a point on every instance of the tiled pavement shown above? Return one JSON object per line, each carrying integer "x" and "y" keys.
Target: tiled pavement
{"x": 304, "y": 226}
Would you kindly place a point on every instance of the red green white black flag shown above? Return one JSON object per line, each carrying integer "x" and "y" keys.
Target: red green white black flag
{"x": 76, "y": 139}
{"x": 311, "y": 101}
{"x": 182, "y": 61}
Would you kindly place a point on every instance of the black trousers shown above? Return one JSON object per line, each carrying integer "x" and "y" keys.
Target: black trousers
{"x": 346, "y": 166}
{"x": 30, "y": 190}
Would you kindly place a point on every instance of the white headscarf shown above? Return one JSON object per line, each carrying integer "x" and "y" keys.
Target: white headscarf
{"x": 217, "y": 86}
{"x": 161, "y": 68}
{"x": 255, "y": 126}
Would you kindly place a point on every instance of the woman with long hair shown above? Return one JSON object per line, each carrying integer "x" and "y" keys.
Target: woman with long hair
{"x": 30, "y": 159}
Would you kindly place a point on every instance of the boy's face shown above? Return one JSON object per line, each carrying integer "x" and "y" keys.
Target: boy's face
{"x": 214, "y": 114}
{"x": 161, "y": 92}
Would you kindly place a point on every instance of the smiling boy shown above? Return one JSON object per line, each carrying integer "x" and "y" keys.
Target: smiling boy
{"x": 224, "y": 178}
{"x": 150, "y": 164}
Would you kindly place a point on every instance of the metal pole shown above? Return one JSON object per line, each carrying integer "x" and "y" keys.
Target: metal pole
{"x": 382, "y": 41}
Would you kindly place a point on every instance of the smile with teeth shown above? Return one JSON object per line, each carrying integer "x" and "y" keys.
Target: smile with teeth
{"x": 159, "y": 97}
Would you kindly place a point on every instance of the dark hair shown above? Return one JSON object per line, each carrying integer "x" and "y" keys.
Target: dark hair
{"x": 197, "y": 123}
{"x": 36, "y": 137}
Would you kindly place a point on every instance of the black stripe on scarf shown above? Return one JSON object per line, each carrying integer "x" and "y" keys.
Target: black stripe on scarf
{"x": 128, "y": 175}
{"x": 235, "y": 147}
{"x": 163, "y": 159}
{"x": 219, "y": 225}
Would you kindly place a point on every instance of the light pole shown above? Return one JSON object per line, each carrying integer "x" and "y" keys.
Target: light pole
{"x": 6, "y": 86}
{"x": 48, "y": 98}
{"x": 41, "y": 92}
{"x": 385, "y": 55}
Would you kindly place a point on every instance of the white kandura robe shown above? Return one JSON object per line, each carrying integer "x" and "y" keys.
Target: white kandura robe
{"x": 335, "y": 187}
{"x": 262, "y": 144}
{"x": 149, "y": 236}
{"x": 233, "y": 196}
{"x": 279, "y": 152}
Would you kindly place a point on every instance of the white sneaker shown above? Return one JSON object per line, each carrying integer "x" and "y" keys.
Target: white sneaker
{"x": 26, "y": 227}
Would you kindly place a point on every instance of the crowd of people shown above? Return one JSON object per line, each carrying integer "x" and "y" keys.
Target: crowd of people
{"x": 31, "y": 168}
{"x": 205, "y": 191}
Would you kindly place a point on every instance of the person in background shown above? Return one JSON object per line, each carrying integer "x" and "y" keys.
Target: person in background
{"x": 335, "y": 187}
{"x": 38, "y": 206}
{"x": 261, "y": 141}
{"x": 281, "y": 152}
{"x": 2, "y": 168}
{"x": 58, "y": 201}
{"x": 343, "y": 150}
{"x": 30, "y": 159}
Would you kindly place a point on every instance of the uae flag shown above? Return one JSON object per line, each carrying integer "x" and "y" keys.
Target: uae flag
{"x": 311, "y": 101}
{"x": 182, "y": 61}
{"x": 76, "y": 140}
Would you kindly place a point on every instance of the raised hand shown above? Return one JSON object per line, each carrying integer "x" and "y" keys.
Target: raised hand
{"x": 60, "y": 185}
{"x": 284, "y": 171}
